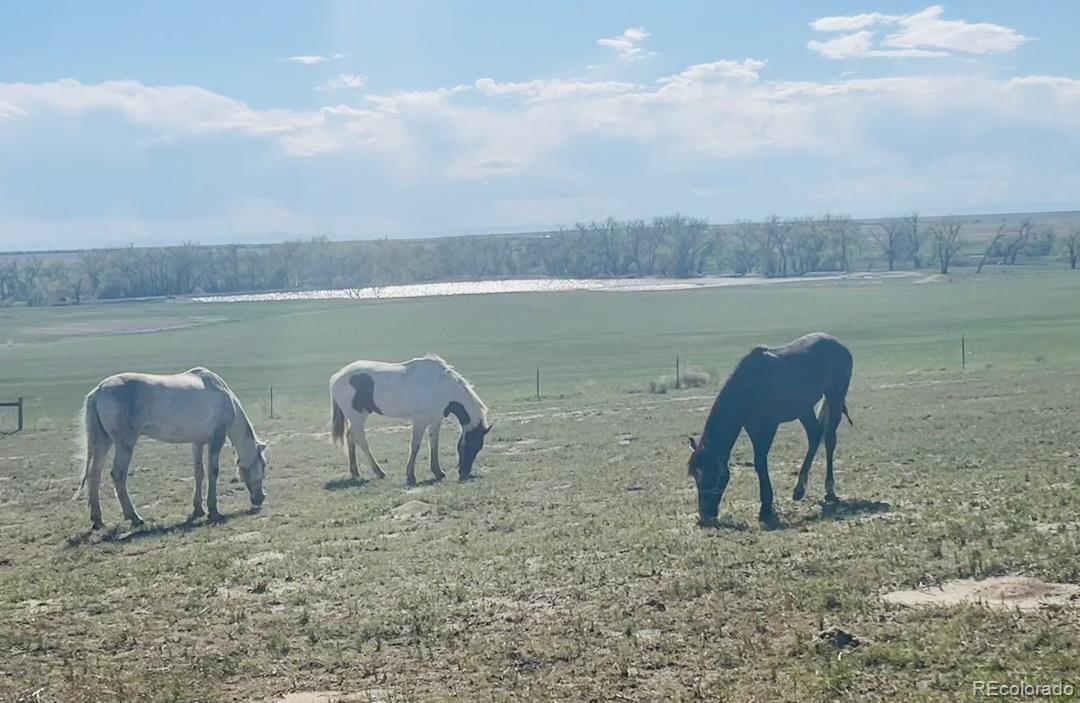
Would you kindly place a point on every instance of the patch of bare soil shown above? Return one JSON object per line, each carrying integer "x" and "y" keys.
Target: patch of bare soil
{"x": 1003, "y": 592}
{"x": 413, "y": 509}
{"x": 372, "y": 695}
{"x": 88, "y": 328}
{"x": 263, "y": 558}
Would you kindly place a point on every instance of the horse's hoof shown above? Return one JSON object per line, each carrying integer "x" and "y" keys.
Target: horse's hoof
{"x": 410, "y": 482}
{"x": 769, "y": 520}
{"x": 97, "y": 525}
{"x": 438, "y": 476}
{"x": 216, "y": 517}
{"x": 137, "y": 521}
{"x": 799, "y": 494}
{"x": 831, "y": 498}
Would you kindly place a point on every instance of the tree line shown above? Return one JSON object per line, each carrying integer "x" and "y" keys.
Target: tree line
{"x": 670, "y": 246}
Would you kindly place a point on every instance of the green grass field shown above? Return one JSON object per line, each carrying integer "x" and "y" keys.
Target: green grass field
{"x": 572, "y": 568}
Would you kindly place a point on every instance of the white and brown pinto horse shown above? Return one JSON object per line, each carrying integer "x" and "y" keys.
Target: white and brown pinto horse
{"x": 195, "y": 407}
{"x": 423, "y": 390}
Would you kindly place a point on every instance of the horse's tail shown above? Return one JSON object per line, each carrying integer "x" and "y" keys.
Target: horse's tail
{"x": 94, "y": 436}
{"x": 337, "y": 431}
{"x": 843, "y": 409}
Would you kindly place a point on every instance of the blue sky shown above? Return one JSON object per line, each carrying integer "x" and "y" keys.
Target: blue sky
{"x": 258, "y": 121}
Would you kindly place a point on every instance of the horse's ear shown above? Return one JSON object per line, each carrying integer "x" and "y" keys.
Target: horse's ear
{"x": 692, "y": 442}
{"x": 261, "y": 446}
{"x": 488, "y": 428}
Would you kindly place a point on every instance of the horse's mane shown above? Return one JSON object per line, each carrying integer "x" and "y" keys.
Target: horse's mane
{"x": 212, "y": 379}
{"x": 751, "y": 358}
{"x": 452, "y": 372}
{"x": 730, "y": 395}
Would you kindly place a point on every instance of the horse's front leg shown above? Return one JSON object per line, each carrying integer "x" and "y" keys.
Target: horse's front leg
{"x": 762, "y": 439}
{"x": 214, "y": 457}
{"x": 433, "y": 447}
{"x": 196, "y": 499}
{"x": 350, "y": 443}
{"x": 417, "y": 438}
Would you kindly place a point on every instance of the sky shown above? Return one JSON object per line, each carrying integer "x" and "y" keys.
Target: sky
{"x": 154, "y": 123}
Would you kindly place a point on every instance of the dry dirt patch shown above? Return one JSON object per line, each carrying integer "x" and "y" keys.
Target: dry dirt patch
{"x": 413, "y": 509}
{"x": 1002, "y": 592}
{"x": 87, "y": 328}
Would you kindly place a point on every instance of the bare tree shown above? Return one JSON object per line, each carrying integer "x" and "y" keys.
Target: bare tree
{"x": 915, "y": 238}
{"x": 890, "y": 239}
{"x": 840, "y": 231}
{"x": 1071, "y": 244}
{"x": 743, "y": 253}
{"x": 808, "y": 245}
{"x": 947, "y": 241}
{"x": 992, "y": 246}
{"x": 1014, "y": 247}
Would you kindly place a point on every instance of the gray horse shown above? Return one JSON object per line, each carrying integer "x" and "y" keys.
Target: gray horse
{"x": 195, "y": 407}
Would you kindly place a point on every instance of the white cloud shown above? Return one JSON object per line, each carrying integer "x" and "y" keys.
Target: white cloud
{"x": 343, "y": 81}
{"x": 849, "y": 23}
{"x": 309, "y": 60}
{"x": 626, "y": 45}
{"x": 745, "y": 70}
{"x": 919, "y": 35}
{"x": 706, "y": 112}
{"x": 552, "y": 89}
{"x": 858, "y": 45}
{"x": 927, "y": 29}
{"x": 595, "y": 139}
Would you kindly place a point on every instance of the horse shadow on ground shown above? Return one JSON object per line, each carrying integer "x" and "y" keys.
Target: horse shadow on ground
{"x": 842, "y": 509}
{"x": 125, "y": 533}
{"x": 343, "y": 484}
{"x": 831, "y": 511}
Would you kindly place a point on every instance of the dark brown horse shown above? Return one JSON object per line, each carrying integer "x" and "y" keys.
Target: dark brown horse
{"x": 770, "y": 386}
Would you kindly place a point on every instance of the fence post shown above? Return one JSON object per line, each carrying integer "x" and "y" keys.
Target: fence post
{"x": 963, "y": 352}
{"x": 20, "y": 415}
{"x": 538, "y": 382}
{"x": 271, "y": 402}
{"x": 678, "y": 380}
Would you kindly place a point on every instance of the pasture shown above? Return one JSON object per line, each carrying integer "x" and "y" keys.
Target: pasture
{"x": 572, "y": 567}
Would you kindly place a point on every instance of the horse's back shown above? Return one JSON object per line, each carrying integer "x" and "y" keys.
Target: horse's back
{"x": 185, "y": 407}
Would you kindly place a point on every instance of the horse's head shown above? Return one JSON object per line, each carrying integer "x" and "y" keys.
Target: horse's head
{"x": 711, "y": 474}
{"x": 254, "y": 473}
{"x": 468, "y": 446}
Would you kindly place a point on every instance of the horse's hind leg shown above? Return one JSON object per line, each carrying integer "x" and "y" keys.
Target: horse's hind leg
{"x": 121, "y": 463}
{"x": 433, "y": 447}
{"x": 831, "y": 423}
{"x": 96, "y": 454}
{"x": 361, "y": 440}
{"x": 813, "y": 440}
{"x": 200, "y": 473}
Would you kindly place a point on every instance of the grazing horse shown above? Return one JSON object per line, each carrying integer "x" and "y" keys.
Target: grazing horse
{"x": 423, "y": 390}
{"x": 195, "y": 407}
{"x": 768, "y": 387}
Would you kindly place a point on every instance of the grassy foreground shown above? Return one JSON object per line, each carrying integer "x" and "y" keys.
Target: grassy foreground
{"x": 571, "y": 569}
